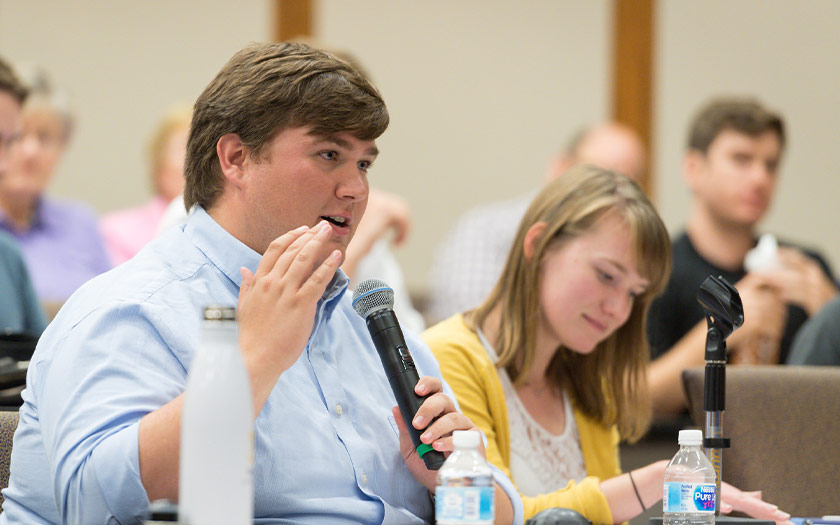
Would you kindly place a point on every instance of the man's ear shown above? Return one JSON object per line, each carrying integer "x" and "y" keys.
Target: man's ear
{"x": 532, "y": 237}
{"x": 693, "y": 164}
{"x": 232, "y": 157}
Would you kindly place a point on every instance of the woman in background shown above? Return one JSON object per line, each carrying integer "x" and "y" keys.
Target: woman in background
{"x": 552, "y": 366}
{"x": 126, "y": 231}
{"x": 60, "y": 240}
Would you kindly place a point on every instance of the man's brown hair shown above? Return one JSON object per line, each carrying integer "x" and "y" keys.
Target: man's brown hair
{"x": 10, "y": 84}
{"x": 744, "y": 115}
{"x": 266, "y": 88}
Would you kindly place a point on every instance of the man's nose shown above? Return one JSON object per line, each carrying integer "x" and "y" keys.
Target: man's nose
{"x": 761, "y": 174}
{"x": 352, "y": 184}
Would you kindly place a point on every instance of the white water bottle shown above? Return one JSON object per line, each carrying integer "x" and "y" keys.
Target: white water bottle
{"x": 465, "y": 490}
{"x": 689, "y": 494}
{"x": 217, "y": 434}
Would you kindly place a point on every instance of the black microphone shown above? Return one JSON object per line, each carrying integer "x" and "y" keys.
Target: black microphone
{"x": 374, "y": 301}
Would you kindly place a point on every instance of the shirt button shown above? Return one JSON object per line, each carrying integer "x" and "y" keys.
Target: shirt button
{"x": 364, "y": 479}
{"x": 338, "y": 409}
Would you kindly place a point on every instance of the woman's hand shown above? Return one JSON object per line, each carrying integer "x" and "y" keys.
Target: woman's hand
{"x": 750, "y": 503}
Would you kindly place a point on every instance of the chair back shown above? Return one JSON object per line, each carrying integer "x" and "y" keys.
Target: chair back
{"x": 8, "y": 425}
{"x": 784, "y": 426}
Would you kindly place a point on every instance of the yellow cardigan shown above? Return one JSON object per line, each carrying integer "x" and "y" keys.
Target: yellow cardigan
{"x": 467, "y": 368}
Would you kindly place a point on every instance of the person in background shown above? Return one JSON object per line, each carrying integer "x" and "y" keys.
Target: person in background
{"x": 818, "y": 341}
{"x": 469, "y": 260}
{"x": 280, "y": 146}
{"x": 126, "y": 231}
{"x": 731, "y": 166}
{"x": 19, "y": 308}
{"x": 552, "y": 365}
{"x": 60, "y": 240}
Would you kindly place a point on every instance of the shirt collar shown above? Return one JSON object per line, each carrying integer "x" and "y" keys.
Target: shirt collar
{"x": 229, "y": 254}
{"x": 40, "y": 217}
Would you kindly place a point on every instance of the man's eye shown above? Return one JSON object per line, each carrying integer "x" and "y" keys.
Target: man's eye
{"x": 329, "y": 155}
{"x": 365, "y": 165}
{"x": 741, "y": 158}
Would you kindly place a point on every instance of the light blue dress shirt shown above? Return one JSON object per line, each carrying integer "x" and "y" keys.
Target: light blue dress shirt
{"x": 327, "y": 447}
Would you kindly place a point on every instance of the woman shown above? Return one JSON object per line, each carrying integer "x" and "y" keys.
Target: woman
{"x": 552, "y": 366}
{"x": 127, "y": 231}
{"x": 60, "y": 240}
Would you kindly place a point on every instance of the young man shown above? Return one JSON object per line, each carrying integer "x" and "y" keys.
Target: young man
{"x": 19, "y": 308}
{"x": 279, "y": 147}
{"x": 731, "y": 166}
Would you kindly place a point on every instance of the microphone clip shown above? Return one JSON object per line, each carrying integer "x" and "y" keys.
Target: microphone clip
{"x": 724, "y": 313}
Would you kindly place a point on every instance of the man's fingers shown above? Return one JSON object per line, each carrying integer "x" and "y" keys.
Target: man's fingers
{"x": 428, "y": 385}
{"x": 433, "y": 406}
{"x": 298, "y": 265}
{"x": 278, "y": 247}
{"x": 247, "y": 281}
{"x": 439, "y": 433}
{"x": 317, "y": 283}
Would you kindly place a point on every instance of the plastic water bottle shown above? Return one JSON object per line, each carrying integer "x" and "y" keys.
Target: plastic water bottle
{"x": 217, "y": 434}
{"x": 689, "y": 494}
{"x": 465, "y": 491}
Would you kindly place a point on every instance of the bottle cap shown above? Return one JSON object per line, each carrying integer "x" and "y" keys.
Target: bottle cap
{"x": 690, "y": 437}
{"x": 219, "y": 313}
{"x": 466, "y": 439}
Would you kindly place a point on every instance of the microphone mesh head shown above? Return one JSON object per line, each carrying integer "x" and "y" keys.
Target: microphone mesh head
{"x": 372, "y": 295}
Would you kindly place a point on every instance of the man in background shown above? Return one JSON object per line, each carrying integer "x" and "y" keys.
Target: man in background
{"x": 469, "y": 260}
{"x": 19, "y": 308}
{"x": 731, "y": 166}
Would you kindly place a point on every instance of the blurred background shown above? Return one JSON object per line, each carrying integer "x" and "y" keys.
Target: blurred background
{"x": 481, "y": 92}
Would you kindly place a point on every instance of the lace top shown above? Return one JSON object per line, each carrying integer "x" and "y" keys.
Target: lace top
{"x": 540, "y": 462}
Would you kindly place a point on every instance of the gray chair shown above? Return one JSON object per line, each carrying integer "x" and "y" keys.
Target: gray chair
{"x": 784, "y": 423}
{"x": 8, "y": 425}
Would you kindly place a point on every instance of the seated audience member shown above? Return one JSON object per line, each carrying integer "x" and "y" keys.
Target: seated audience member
{"x": 126, "y": 231}
{"x": 731, "y": 166}
{"x": 60, "y": 240}
{"x": 818, "y": 341}
{"x": 469, "y": 260}
{"x": 280, "y": 144}
{"x": 19, "y": 308}
{"x": 552, "y": 365}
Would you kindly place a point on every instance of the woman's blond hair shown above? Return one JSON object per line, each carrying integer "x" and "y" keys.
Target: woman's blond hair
{"x": 176, "y": 119}
{"x": 610, "y": 383}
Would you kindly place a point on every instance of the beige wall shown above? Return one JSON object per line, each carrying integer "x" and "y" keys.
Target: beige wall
{"x": 481, "y": 92}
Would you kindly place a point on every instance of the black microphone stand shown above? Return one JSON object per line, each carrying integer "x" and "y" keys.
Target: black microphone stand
{"x": 724, "y": 313}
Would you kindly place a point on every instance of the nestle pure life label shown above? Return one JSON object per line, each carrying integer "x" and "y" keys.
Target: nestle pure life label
{"x": 689, "y": 497}
{"x": 465, "y": 504}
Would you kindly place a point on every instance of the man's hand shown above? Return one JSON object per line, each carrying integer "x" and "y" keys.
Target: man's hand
{"x": 438, "y": 434}
{"x": 441, "y": 409}
{"x": 750, "y": 503}
{"x": 277, "y": 303}
{"x": 757, "y": 341}
{"x": 802, "y": 281}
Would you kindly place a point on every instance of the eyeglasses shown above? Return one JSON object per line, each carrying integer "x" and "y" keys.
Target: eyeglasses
{"x": 44, "y": 139}
{"x": 6, "y": 143}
